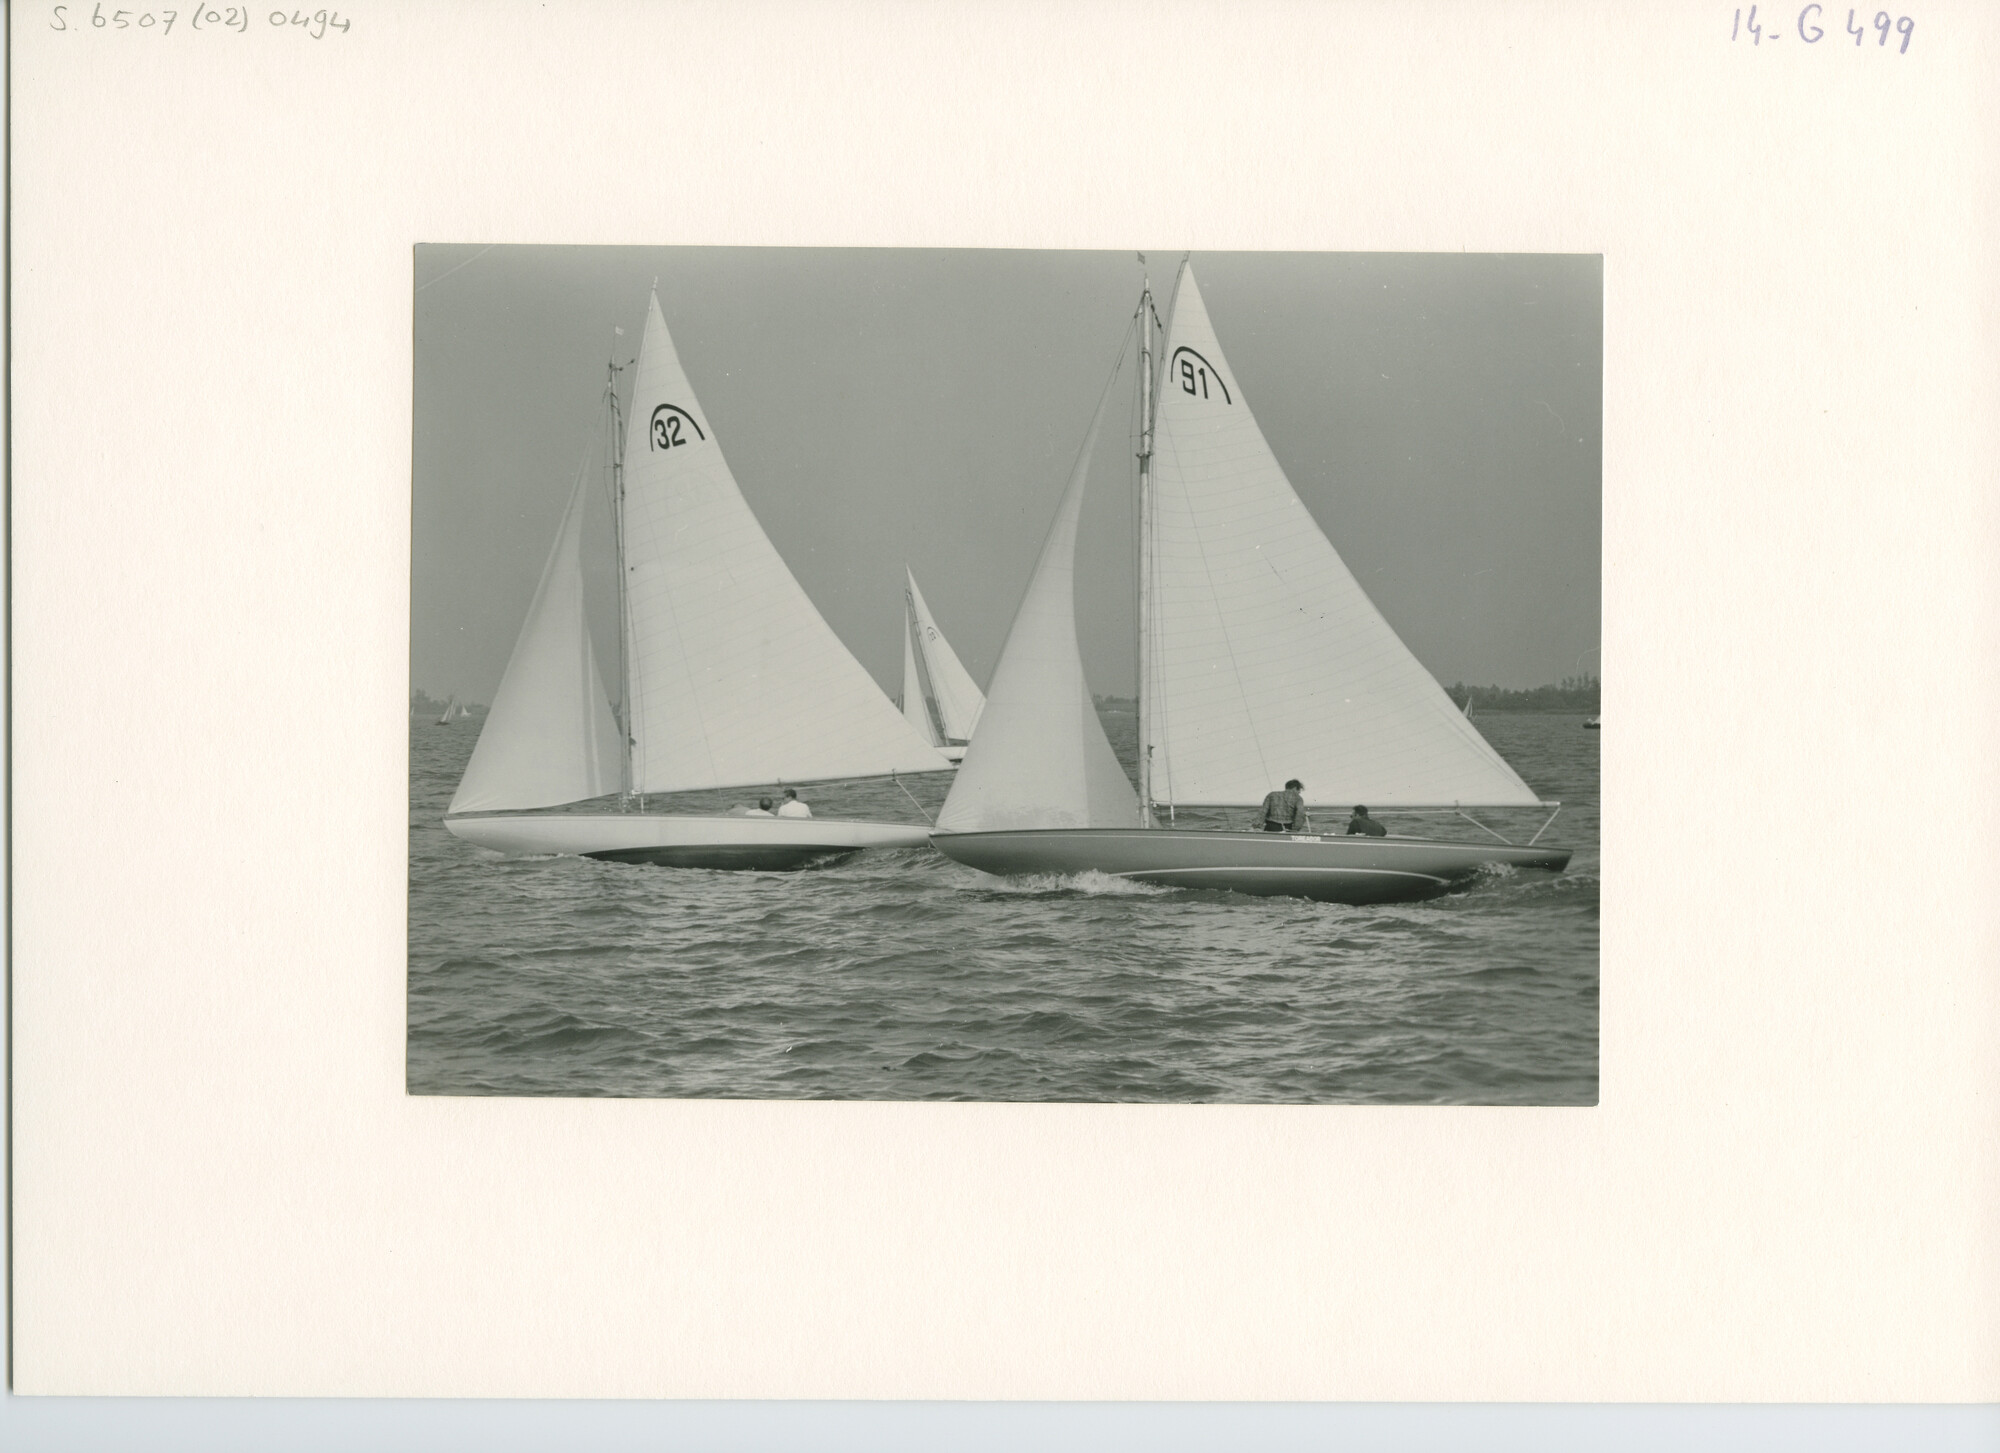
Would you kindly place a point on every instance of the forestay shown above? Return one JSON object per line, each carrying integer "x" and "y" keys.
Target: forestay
{"x": 735, "y": 677}
{"x": 550, "y": 736}
{"x": 1266, "y": 660}
{"x": 1040, "y": 758}
{"x": 939, "y": 697}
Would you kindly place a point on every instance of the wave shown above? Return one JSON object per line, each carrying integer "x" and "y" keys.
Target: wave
{"x": 902, "y": 975}
{"x": 1090, "y": 883}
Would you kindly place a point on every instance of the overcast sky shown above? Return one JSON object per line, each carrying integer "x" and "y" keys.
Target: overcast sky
{"x": 1440, "y": 414}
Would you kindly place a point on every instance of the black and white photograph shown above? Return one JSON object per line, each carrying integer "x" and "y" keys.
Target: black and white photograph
{"x": 895, "y": 674}
{"x": 1004, "y": 833}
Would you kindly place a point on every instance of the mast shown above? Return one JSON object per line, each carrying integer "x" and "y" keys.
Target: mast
{"x": 618, "y": 537}
{"x": 1145, "y": 544}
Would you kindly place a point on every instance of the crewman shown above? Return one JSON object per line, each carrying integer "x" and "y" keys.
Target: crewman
{"x": 792, "y": 807}
{"x": 1286, "y": 811}
{"x": 1362, "y": 825}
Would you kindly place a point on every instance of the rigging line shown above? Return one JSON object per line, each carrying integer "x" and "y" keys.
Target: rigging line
{"x": 913, "y": 799}
{"x": 1105, "y": 392}
{"x": 1117, "y": 367}
{"x": 467, "y": 263}
{"x": 1545, "y": 826}
{"x": 1483, "y": 827}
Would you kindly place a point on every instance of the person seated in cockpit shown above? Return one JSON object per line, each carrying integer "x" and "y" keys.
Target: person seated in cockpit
{"x": 1362, "y": 825}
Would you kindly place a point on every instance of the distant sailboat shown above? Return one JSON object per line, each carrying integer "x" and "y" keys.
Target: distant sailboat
{"x": 445, "y": 720}
{"x": 1592, "y": 724}
{"x": 1260, "y": 659}
{"x": 729, "y": 674}
{"x": 939, "y": 697}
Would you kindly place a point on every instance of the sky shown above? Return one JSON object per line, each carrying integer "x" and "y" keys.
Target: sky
{"x": 1440, "y": 414}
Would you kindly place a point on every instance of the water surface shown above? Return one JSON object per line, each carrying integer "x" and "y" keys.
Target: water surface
{"x": 904, "y": 976}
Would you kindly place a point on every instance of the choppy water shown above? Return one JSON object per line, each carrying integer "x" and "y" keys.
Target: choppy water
{"x": 906, "y": 976}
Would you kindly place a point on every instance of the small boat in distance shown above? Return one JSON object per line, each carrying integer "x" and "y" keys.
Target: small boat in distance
{"x": 449, "y": 707}
{"x": 1260, "y": 658}
{"x": 939, "y": 697}
{"x": 728, "y": 674}
{"x": 1593, "y": 724}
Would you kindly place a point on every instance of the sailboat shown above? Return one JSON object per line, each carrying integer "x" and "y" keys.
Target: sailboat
{"x": 939, "y": 697}
{"x": 1260, "y": 659}
{"x": 727, "y": 673}
{"x": 449, "y": 707}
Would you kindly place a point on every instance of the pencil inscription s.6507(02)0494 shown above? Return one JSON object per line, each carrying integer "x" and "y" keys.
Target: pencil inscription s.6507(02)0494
{"x": 315, "y": 23}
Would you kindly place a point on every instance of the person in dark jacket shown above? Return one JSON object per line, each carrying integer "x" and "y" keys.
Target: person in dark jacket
{"x": 1361, "y": 824}
{"x": 1286, "y": 811}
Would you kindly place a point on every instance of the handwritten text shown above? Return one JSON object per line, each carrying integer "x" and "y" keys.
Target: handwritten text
{"x": 219, "y": 18}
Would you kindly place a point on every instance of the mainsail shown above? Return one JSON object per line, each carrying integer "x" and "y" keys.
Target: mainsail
{"x": 549, "y": 736}
{"x": 1040, "y": 758}
{"x": 939, "y": 697}
{"x": 1265, "y": 659}
{"x": 735, "y": 677}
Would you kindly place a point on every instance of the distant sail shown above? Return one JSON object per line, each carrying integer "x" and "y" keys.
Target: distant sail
{"x": 549, "y": 735}
{"x": 917, "y": 705}
{"x": 1040, "y": 758}
{"x": 736, "y": 678}
{"x": 939, "y": 697}
{"x": 1267, "y": 659}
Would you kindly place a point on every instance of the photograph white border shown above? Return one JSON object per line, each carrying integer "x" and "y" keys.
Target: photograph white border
{"x": 1788, "y": 1190}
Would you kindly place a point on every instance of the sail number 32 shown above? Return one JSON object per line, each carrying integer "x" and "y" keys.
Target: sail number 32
{"x": 1811, "y": 31}
{"x": 664, "y": 429}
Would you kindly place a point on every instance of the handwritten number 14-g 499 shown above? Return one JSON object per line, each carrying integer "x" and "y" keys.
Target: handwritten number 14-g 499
{"x": 1811, "y": 31}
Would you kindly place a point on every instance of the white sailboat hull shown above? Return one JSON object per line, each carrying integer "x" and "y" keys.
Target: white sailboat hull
{"x": 1331, "y": 869}
{"x": 767, "y": 844}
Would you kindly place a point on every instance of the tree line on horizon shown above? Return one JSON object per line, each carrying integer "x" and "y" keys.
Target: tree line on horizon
{"x": 1572, "y": 693}
{"x": 422, "y": 701}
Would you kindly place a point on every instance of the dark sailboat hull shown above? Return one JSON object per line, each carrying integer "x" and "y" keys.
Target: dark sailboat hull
{"x": 1330, "y": 869}
{"x": 755, "y": 844}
